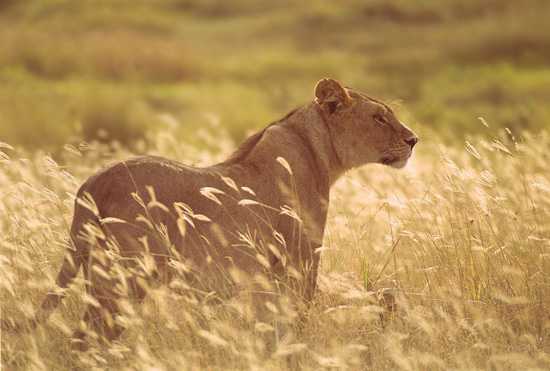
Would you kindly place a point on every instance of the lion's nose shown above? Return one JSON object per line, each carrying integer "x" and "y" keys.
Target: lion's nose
{"x": 411, "y": 141}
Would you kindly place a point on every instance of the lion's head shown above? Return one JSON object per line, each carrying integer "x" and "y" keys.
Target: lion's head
{"x": 363, "y": 130}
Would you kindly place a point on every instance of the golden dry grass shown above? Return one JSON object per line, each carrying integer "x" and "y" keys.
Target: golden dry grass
{"x": 460, "y": 238}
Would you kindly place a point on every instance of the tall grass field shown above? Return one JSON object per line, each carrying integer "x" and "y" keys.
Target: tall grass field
{"x": 459, "y": 239}
{"x": 443, "y": 265}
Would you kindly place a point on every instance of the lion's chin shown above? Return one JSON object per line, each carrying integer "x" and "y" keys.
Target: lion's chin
{"x": 396, "y": 163}
{"x": 399, "y": 164}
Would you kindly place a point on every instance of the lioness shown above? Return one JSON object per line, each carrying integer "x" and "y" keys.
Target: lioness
{"x": 260, "y": 212}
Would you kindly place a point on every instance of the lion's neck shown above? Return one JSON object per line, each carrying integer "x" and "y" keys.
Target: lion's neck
{"x": 306, "y": 140}
{"x": 309, "y": 125}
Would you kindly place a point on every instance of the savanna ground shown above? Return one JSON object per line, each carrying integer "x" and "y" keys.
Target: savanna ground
{"x": 461, "y": 236}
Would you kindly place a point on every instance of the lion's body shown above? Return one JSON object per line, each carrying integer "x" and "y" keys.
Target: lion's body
{"x": 251, "y": 213}
{"x": 215, "y": 243}
{"x": 220, "y": 236}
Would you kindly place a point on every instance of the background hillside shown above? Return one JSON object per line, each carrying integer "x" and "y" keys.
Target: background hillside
{"x": 72, "y": 70}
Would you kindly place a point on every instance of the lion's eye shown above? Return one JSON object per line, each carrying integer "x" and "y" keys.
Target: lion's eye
{"x": 380, "y": 119}
{"x": 332, "y": 106}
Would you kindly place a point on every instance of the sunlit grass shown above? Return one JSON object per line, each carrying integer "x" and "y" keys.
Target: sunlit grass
{"x": 460, "y": 239}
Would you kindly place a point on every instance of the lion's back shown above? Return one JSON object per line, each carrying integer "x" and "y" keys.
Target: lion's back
{"x": 161, "y": 191}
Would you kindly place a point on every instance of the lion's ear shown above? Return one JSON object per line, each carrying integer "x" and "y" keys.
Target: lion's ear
{"x": 331, "y": 94}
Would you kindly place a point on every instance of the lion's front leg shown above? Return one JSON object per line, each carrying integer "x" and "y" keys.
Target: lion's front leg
{"x": 310, "y": 277}
{"x": 303, "y": 270}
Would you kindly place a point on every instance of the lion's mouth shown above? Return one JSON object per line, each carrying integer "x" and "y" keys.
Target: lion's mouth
{"x": 388, "y": 160}
{"x": 395, "y": 161}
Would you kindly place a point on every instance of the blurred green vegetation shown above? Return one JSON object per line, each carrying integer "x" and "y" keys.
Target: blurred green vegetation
{"x": 116, "y": 69}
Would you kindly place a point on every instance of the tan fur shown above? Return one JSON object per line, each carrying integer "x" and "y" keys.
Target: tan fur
{"x": 139, "y": 210}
